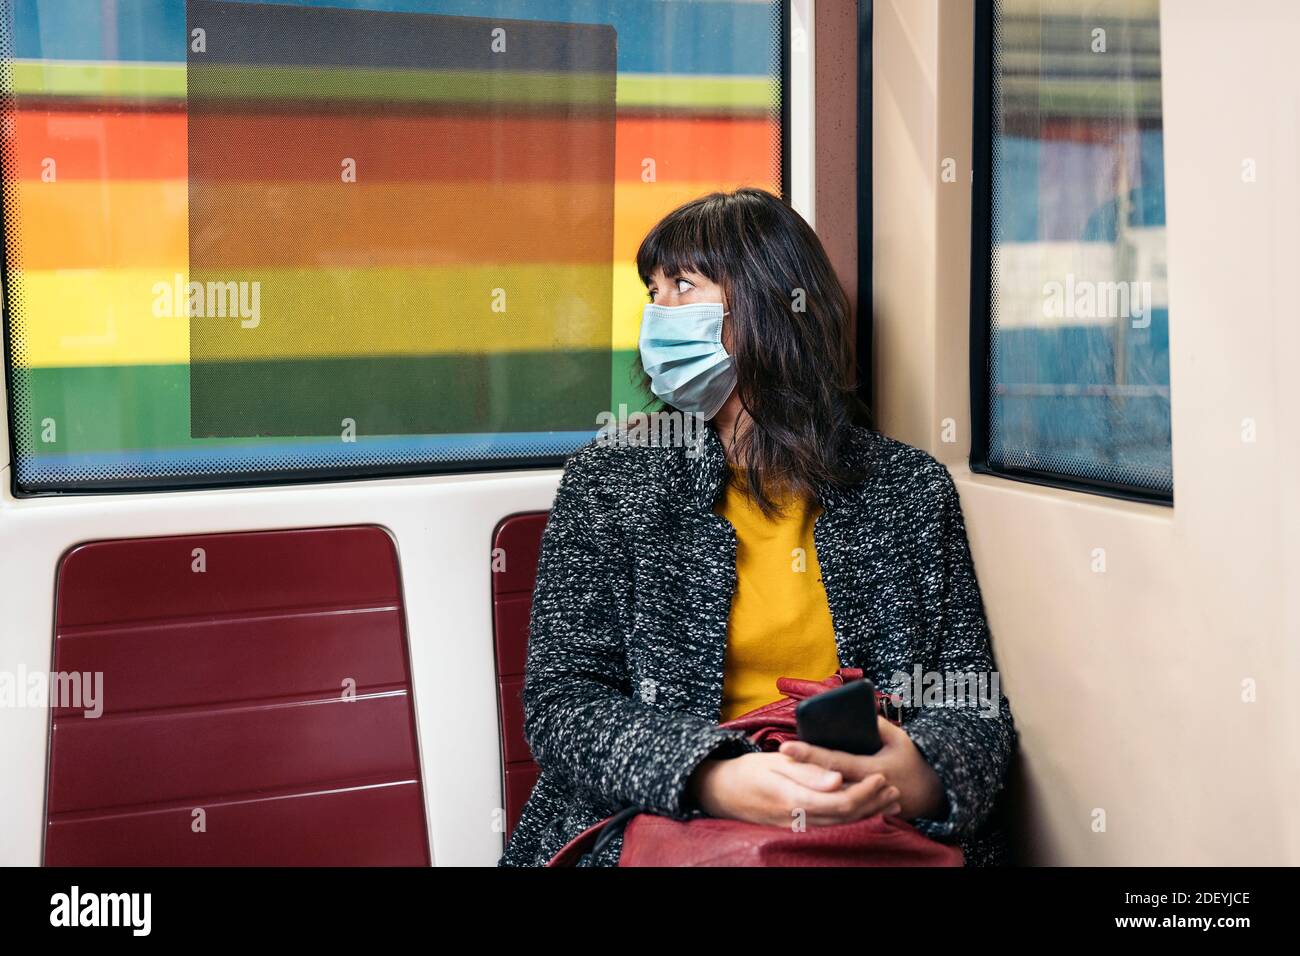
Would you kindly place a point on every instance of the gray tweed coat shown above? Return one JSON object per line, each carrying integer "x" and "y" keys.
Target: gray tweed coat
{"x": 623, "y": 682}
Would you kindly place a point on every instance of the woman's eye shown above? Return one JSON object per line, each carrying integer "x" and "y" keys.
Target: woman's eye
{"x": 684, "y": 282}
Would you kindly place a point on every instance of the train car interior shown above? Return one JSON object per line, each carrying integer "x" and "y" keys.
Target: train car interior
{"x": 308, "y": 303}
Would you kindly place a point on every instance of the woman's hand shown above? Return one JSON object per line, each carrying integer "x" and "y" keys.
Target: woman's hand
{"x": 921, "y": 791}
{"x": 771, "y": 788}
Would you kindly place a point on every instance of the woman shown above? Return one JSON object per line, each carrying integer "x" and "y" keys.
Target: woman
{"x": 676, "y": 583}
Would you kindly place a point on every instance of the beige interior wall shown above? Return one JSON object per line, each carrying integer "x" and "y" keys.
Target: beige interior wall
{"x": 1127, "y": 685}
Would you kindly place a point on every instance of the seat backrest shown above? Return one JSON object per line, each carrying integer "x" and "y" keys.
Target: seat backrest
{"x": 255, "y": 703}
{"x": 516, "y": 544}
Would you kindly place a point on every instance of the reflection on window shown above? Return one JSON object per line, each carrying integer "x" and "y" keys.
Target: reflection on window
{"x": 350, "y": 236}
{"x": 1079, "y": 320}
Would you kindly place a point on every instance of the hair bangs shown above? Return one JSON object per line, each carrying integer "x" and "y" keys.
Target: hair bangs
{"x": 680, "y": 243}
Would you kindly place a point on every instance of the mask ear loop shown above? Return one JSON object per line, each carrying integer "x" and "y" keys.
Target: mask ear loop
{"x": 725, "y": 312}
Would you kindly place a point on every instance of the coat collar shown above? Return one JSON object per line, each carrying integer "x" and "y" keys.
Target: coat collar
{"x": 697, "y": 473}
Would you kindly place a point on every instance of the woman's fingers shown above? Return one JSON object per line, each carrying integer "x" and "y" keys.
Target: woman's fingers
{"x": 873, "y": 794}
{"x": 809, "y": 774}
{"x": 890, "y": 732}
{"x": 883, "y": 800}
{"x": 852, "y": 766}
{"x": 867, "y": 797}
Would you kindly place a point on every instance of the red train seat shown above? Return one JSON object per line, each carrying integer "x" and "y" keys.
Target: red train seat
{"x": 256, "y": 704}
{"x": 516, "y": 544}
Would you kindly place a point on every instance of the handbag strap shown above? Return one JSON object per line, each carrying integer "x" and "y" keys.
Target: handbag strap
{"x": 593, "y": 839}
{"x": 613, "y": 826}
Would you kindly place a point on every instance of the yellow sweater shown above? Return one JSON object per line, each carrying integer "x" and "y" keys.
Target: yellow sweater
{"x": 780, "y": 623}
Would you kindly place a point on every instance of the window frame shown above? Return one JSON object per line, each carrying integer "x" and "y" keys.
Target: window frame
{"x": 981, "y": 276}
{"x": 865, "y": 318}
{"x": 293, "y": 476}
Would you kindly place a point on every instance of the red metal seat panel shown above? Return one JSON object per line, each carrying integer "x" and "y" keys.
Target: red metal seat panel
{"x": 256, "y": 703}
{"x": 518, "y": 541}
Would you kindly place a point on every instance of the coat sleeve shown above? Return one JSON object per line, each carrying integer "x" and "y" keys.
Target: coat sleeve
{"x": 581, "y": 719}
{"x": 969, "y": 747}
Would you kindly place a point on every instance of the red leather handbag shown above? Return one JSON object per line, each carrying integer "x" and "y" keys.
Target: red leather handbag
{"x": 652, "y": 840}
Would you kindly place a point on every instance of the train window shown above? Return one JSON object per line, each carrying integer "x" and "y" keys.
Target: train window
{"x": 289, "y": 241}
{"x": 1070, "y": 318}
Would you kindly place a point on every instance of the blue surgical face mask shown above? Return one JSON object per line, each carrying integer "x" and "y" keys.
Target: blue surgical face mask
{"x": 681, "y": 351}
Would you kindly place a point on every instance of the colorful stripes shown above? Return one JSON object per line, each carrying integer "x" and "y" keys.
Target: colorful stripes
{"x": 162, "y": 82}
{"x": 106, "y": 317}
{"x": 725, "y": 37}
{"x": 104, "y": 201}
{"x": 139, "y": 407}
{"x": 89, "y": 266}
{"x": 126, "y": 146}
{"x": 87, "y": 224}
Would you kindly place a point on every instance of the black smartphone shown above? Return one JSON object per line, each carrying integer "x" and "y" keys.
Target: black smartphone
{"x": 841, "y": 719}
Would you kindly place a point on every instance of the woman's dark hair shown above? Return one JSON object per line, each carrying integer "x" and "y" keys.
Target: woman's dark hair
{"x": 790, "y": 330}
